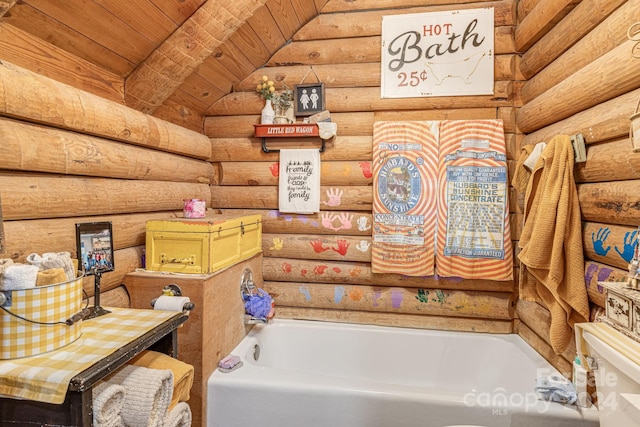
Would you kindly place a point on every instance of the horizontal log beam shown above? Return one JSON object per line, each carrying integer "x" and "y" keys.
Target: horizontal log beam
{"x": 338, "y": 223}
{"x": 34, "y": 148}
{"x": 315, "y": 247}
{"x": 598, "y": 272}
{"x": 610, "y": 202}
{"x": 350, "y": 6}
{"x": 540, "y": 20}
{"x": 418, "y": 321}
{"x": 609, "y": 161}
{"x": 31, "y": 97}
{"x": 367, "y": 23}
{"x": 603, "y": 39}
{"x": 262, "y": 197}
{"x": 267, "y": 173}
{"x": 357, "y": 273}
{"x": 609, "y": 243}
{"x": 30, "y": 196}
{"x": 575, "y": 26}
{"x": 352, "y": 199}
{"x": 354, "y": 148}
{"x": 349, "y": 124}
{"x": 359, "y": 50}
{"x": 346, "y": 100}
{"x": 587, "y": 87}
{"x": 599, "y": 123}
{"x": 434, "y": 302}
{"x": 59, "y": 235}
{"x": 365, "y": 74}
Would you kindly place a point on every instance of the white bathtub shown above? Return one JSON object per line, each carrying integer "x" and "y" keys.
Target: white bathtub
{"x": 321, "y": 374}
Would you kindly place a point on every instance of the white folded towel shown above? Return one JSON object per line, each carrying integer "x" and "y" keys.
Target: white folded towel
{"x": 19, "y": 276}
{"x": 108, "y": 400}
{"x": 59, "y": 260}
{"x": 148, "y": 395}
{"x": 35, "y": 259}
{"x": 4, "y": 263}
{"x": 179, "y": 416}
{"x": 299, "y": 186}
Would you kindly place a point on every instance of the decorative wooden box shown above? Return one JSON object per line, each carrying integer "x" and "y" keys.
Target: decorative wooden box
{"x": 622, "y": 307}
{"x": 201, "y": 245}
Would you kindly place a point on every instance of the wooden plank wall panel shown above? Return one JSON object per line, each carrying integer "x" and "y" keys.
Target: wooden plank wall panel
{"x": 27, "y": 18}
{"x": 560, "y": 98}
{"x": 27, "y": 51}
{"x": 98, "y": 23}
{"x": 319, "y": 266}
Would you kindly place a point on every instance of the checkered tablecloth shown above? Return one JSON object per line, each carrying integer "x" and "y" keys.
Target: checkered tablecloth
{"x": 46, "y": 377}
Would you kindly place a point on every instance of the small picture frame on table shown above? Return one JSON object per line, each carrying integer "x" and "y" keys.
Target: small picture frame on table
{"x": 309, "y": 99}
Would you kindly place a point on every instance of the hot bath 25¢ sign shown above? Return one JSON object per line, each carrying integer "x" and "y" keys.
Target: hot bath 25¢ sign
{"x": 438, "y": 54}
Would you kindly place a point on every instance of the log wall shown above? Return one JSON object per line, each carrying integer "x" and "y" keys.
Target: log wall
{"x": 581, "y": 78}
{"x": 319, "y": 266}
{"x": 69, "y": 157}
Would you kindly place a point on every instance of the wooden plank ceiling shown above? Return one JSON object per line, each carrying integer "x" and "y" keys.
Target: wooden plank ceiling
{"x": 150, "y": 54}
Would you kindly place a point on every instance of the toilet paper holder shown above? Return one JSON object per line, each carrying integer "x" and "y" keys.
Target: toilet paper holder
{"x": 173, "y": 290}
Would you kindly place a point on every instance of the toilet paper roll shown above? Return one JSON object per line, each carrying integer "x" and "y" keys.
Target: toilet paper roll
{"x": 169, "y": 303}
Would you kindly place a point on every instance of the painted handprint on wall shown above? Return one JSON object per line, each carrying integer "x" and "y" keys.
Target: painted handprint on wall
{"x": 630, "y": 242}
{"x": 317, "y": 246}
{"x": 345, "y": 221}
{"x": 363, "y": 246}
{"x": 277, "y": 244}
{"x": 363, "y": 223}
{"x": 344, "y": 218}
{"x": 342, "y": 248}
{"x": 335, "y": 197}
{"x": 366, "y": 169}
{"x": 275, "y": 169}
{"x": 327, "y": 220}
{"x": 598, "y": 241}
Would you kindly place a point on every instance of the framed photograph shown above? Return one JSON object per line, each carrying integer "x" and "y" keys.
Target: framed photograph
{"x": 308, "y": 99}
{"x": 94, "y": 242}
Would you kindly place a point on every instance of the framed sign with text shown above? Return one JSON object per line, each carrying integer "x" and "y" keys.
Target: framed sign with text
{"x": 438, "y": 54}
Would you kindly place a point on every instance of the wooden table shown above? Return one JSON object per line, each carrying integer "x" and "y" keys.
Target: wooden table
{"x": 77, "y": 410}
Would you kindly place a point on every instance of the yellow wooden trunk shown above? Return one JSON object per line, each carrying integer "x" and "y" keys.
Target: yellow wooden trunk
{"x": 202, "y": 245}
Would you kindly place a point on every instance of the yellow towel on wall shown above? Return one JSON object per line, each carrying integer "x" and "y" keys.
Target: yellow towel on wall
{"x": 182, "y": 372}
{"x": 551, "y": 242}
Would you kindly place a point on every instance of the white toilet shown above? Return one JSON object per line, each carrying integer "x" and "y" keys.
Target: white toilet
{"x": 617, "y": 375}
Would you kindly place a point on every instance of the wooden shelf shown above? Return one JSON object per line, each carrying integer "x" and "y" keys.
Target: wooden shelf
{"x": 298, "y": 130}
{"x": 285, "y": 131}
